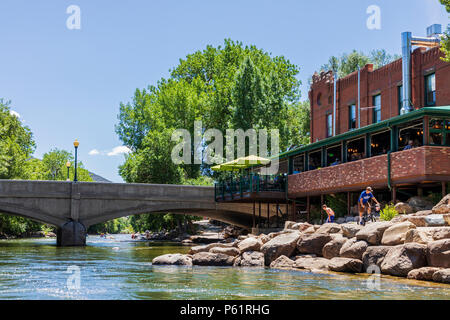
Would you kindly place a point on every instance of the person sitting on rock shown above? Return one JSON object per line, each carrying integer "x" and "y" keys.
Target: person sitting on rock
{"x": 329, "y": 212}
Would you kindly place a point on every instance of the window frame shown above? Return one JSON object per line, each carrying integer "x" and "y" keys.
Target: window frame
{"x": 375, "y": 108}
{"x": 427, "y": 76}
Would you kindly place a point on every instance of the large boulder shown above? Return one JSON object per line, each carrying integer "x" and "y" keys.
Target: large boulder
{"x": 353, "y": 249}
{"x": 396, "y": 233}
{"x": 438, "y": 253}
{"x": 312, "y": 263}
{"x": 329, "y": 228}
{"x": 420, "y": 203}
{"x": 332, "y": 248}
{"x": 425, "y": 273}
{"x": 403, "y": 258}
{"x": 228, "y": 251}
{"x": 373, "y": 232}
{"x": 250, "y": 259}
{"x": 417, "y": 235}
{"x": 349, "y": 230}
{"x": 340, "y": 264}
{"x": 439, "y": 233}
{"x": 176, "y": 259}
{"x": 282, "y": 262}
{"x": 374, "y": 256}
{"x": 289, "y": 224}
{"x": 250, "y": 244}
{"x": 442, "y": 276}
{"x": 212, "y": 259}
{"x": 403, "y": 208}
{"x": 301, "y": 226}
{"x": 313, "y": 243}
{"x": 283, "y": 244}
{"x": 443, "y": 206}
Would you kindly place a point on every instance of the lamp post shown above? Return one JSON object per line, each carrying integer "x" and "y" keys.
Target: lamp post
{"x": 68, "y": 167}
{"x": 76, "y": 144}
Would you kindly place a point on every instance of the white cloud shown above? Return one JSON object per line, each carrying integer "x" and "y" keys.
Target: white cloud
{"x": 118, "y": 150}
{"x": 94, "y": 152}
{"x": 14, "y": 113}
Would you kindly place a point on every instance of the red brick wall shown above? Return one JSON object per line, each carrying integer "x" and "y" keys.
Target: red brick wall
{"x": 384, "y": 80}
{"x": 413, "y": 165}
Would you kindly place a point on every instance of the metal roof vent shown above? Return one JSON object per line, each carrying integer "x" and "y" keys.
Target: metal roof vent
{"x": 435, "y": 30}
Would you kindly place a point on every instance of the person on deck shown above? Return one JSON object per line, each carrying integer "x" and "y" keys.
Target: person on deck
{"x": 329, "y": 212}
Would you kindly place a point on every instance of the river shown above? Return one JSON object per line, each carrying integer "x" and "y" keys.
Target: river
{"x": 121, "y": 269}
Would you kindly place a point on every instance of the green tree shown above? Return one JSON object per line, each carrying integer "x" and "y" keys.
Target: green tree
{"x": 349, "y": 62}
{"x": 445, "y": 42}
{"x": 16, "y": 144}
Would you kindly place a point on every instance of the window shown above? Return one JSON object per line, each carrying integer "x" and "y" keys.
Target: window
{"x": 329, "y": 125}
{"x": 376, "y": 103}
{"x": 319, "y": 97}
{"x": 299, "y": 164}
{"x": 410, "y": 131}
{"x": 380, "y": 143}
{"x": 334, "y": 155}
{"x": 400, "y": 99}
{"x": 355, "y": 149}
{"x": 439, "y": 132}
{"x": 352, "y": 117}
{"x": 315, "y": 160}
{"x": 430, "y": 90}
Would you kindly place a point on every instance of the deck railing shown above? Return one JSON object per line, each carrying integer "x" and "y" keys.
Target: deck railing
{"x": 236, "y": 188}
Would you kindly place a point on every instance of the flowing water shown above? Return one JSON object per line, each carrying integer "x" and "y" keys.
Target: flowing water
{"x": 121, "y": 269}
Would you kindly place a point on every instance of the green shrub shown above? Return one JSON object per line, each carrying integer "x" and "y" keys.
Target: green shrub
{"x": 388, "y": 213}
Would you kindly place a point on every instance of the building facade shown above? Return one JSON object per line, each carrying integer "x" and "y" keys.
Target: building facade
{"x": 380, "y": 93}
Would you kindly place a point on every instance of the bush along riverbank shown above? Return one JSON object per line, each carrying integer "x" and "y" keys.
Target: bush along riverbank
{"x": 416, "y": 246}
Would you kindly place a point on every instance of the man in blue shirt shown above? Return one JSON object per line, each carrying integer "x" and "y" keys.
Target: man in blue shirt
{"x": 363, "y": 201}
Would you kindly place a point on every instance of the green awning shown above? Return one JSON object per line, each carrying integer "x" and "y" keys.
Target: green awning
{"x": 241, "y": 163}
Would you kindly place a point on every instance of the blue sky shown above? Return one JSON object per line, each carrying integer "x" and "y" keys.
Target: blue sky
{"x": 68, "y": 84}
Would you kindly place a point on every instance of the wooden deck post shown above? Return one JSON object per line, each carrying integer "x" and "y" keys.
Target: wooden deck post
{"x": 349, "y": 201}
{"x": 268, "y": 215}
{"x": 444, "y": 189}
{"x": 278, "y": 208}
{"x": 394, "y": 194}
{"x": 321, "y": 213}
{"x": 259, "y": 216}
{"x": 308, "y": 208}
{"x": 254, "y": 214}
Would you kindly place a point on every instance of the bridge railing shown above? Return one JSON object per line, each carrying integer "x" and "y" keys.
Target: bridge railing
{"x": 235, "y": 188}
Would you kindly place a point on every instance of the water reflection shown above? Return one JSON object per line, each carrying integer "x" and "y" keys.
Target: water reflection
{"x": 121, "y": 269}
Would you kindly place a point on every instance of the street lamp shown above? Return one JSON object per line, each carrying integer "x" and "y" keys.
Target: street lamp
{"x": 76, "y": 144}
{"x": 68, "y": 167}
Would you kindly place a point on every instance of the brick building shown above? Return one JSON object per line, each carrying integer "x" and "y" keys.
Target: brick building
{"x": 392, "y": 137}
{"x": 380, "y": 93}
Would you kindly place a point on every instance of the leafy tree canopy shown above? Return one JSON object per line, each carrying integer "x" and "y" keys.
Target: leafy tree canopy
{"x": 445, "y": 43}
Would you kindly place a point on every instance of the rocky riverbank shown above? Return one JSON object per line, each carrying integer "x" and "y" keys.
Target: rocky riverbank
{"x": 416, "y": 246}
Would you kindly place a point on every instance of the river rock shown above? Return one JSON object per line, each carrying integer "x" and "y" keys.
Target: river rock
{"x": 353, "y": 249}
{"x": 289, "y": 225}
{"x": 403, "y": 208}
{"x": 438, "y": 253}
{"x": 309, "y": 230}
{"x": 312, "y": 264}
{"x": 264, "y": 238}
{"x": 403, "y": 258}
{"x": 228, "y": 251}
{"x": 442, "y": 276}
{"x": 250, "y": 259}
{"x": 374, "y": 256}
{"x": 313, "y": 243}
{"x": 328, "y": 228}
{"x": 283, "y": 244}
{"x": 435, "y": 220}
{"x": 425, "y": 273}
{"x": 417, "y": 235}
{"x": 349, "y": 230}
{"x": 396, "y": 233}
{"x": 332, "y": 248}
{"x": 443, "y": 206}
{"x": 340, "y": 264}
{"x": 173, "y": 259}
{"x": 212, "y": 259}
{"x": 206, "y": 248}
{"x": 373, "y": 232}
{"x": 439, "y": 233}
{"x": 250, "y": 244}
{"x": 282, "y": 262}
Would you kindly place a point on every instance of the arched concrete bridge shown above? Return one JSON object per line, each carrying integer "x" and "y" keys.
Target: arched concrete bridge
{"x": 73, "y": 207}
